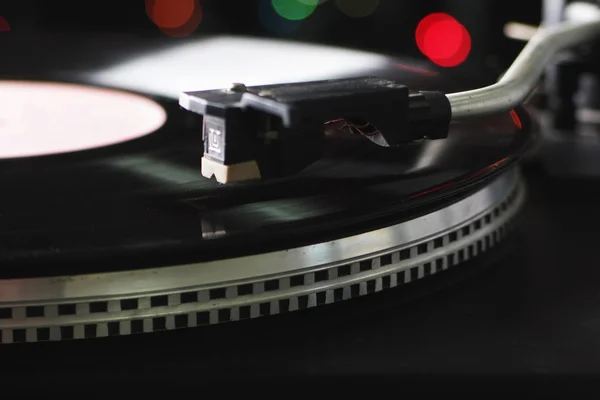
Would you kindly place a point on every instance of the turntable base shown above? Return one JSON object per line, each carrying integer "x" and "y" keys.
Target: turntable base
{"x": 148, "y": 300}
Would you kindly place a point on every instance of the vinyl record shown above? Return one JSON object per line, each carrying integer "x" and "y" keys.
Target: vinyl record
{"x": 143, "y": 203}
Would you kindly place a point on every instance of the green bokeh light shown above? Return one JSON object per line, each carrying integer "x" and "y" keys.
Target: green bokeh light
{"x": 295, "y": 10}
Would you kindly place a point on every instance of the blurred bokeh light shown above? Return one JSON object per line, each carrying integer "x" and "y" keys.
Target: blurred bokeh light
{"x": 357, "y": 8}
{"x": 273, "y": 21}
{"x": 175, "y": 17}
{"x": 444, "y": 40}
{"x": 295, "y": 10}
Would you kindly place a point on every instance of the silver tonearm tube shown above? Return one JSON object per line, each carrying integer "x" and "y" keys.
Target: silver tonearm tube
{"x": 523, "y": 75}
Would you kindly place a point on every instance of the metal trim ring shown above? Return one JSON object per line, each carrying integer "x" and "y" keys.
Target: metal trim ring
{"x": 121, "y": 303}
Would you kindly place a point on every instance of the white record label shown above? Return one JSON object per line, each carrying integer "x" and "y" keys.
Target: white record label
{"x": 41, "y": 118}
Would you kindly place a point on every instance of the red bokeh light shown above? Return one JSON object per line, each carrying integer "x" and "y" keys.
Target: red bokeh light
{"x": 175, "y": 17}
{"x": 170, "y": 13}
{"x": 443, "y": 39}
{"x": 4, "y": 26}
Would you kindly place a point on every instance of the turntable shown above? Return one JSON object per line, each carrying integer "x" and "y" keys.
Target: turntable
{"x": 151, "y": 200}
{"x": 159, "y": 247}
{"x": 322, "y": 190}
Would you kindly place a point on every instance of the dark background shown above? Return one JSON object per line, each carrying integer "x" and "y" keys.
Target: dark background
{"x": 389, "y": 29}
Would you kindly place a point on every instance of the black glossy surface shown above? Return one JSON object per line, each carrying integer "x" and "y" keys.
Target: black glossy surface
{"x": 145, "y": 203}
